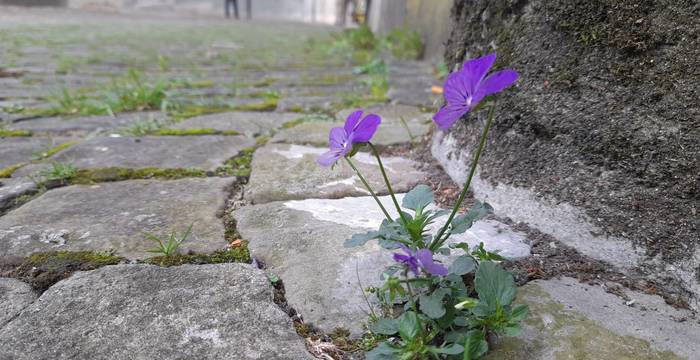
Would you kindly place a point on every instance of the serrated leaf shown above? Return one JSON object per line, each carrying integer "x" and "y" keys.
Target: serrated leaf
{"x": 360, "y": 239}
{"x": 462, "y": 265}
{"x": 475, "y": 345}
{"x": 432, "y": 305}
{"x": 409, "y": 326}
{"x": 382, "y": 352}
{"x": 494, "y": 285}
{"x": 462, "y": 223}
{"x": 418, "y": 198}
{"x": 385, "y": 326}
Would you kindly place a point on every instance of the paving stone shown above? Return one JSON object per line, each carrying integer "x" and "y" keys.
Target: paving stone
{"x": 302, "y": 242}
{"x": 201, "y": 152}
{"x": 22, "y": 149}
{"x": 149, "y": 312}
{"x": 305, "y": 103}
{"x": 391, "y": 132}
{"x": 570, "y": 320}
{"x": 248, "y": 123}
{"x": 85, "y": 125}
{"x": 287, "y": 172}
{"x": 116, "y": 215}
{"x": 14, "y": 296}
{"x": 12, "y": 188}
{"x": 410, "y": 83}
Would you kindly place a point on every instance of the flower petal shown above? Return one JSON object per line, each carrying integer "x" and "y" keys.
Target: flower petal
{"x": 449, "y": 115}
{"x": 454, "y": 88}
{"x": 425, "y": 257}
{"x": 329, "y": 158}
{"x": 477, "y": 69}
{"x": 495, "y": 83}
{"x": 366, "y": 128}
{"x": 352, "y": 120}
{"x": 337, "y": 138}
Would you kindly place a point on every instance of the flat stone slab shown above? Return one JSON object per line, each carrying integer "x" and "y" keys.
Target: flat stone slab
{"x": 570, "y": 320}
{"x": 16, "y": 150}
{"x": 201, "y": 152}
{"x": 392, "y": 131}
{"x": 149, "y": 312}
{"x": 302, "y": 242}
{"x": 12, "y": 188}
{"x": 245, "y": 122}
{"x": 116, "y": 215}
{"x": 14, "y": 296}
{"x": 290, "y": 172}
{"x": 305, "y": 103}
{"x": 84, "y": 125}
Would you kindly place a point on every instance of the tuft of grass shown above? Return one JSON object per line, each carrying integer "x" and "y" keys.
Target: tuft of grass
{"x": 144, "y": 127}
{"x": 14, "y": 133}
{"x": 239, "y": 254}
{"x": 63, "y": 172}
{"x": 7, "y": 171}
{"x": 168, "y": 246}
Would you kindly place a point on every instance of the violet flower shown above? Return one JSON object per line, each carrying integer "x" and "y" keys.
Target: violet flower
{"x": 465, "y": 88}
{"x": 421, "y": 259}
{"x": 342, "y": 139}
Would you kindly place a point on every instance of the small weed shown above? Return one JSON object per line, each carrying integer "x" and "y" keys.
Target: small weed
{"x": 144, "y": 127}
{"x": 404, "y": 43}
{"x": 59, "y": 172}
{"x": 168, "y": 247}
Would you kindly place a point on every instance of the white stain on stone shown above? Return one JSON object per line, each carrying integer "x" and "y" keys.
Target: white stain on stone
{"x": 53, "y": 237}
{"x": 298, "y": 151}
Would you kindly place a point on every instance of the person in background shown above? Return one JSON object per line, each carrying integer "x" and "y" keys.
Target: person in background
{"x": 234, "y": 3}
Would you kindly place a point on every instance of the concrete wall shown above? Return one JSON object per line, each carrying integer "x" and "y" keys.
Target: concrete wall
{"x": 431, "y": 18}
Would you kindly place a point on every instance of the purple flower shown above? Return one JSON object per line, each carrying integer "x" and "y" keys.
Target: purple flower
{"x": 342, "y": 139}
{"x": 465, "y": 88}
{"x": 422, "y": 259}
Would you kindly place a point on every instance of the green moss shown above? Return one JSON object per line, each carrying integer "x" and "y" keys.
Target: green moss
{"x": 6, "y": 172}
{"x": 56, "y": 149}
{"x": 267, "y": 105}
{"x": 232, "y": 255}
{"x": 267, "y": 94}
{"x": 239, "y": 165}
{"x": 188, "y": 111}
{"x": 55, "y": 260}
{"x": 96, "y": 175}
{"x": 14, "y": 133}
{"x": 195, "y": 131}
{"x": 292, "y": 123}
{"x": 296, "y": 109}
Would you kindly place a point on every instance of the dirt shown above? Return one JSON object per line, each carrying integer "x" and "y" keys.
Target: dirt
{"x": 605, "y": 115}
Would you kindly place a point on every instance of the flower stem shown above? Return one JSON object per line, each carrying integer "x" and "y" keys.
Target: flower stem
{"x": 364, "y": 182}
{"x": 482, "y": 142}
{"x": 388, "y": 184}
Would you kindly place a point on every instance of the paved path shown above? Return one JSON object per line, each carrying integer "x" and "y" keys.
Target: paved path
{"x": 125, "y": 126}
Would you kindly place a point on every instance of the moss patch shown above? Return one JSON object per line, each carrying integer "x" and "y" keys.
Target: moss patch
{"x": 96, "y": 175}
{"x": 43, "y": 269}
{"x": 14, "y": 133}
{"x": 195, "y": 131}
{"x": 6, "y": 172}
{"x": 56, "y": 149}
{"x": 239, "y": 165}
{"x": 188, "y": 111}
{"x": 270, "y": 104}
{"x": 232, "y": 255}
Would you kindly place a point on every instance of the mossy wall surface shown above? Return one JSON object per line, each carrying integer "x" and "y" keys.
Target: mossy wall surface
{"x": 605, "y": 115}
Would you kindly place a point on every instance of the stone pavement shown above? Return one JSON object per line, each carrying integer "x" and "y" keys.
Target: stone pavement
{"x": 230, "y": 152}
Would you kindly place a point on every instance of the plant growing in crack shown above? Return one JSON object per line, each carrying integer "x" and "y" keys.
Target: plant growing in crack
{"x": 168, "y": 246}
{"x": 432, "y": 309}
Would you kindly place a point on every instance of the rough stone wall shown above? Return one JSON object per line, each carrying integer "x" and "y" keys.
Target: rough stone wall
{"x": 605, "y": 118}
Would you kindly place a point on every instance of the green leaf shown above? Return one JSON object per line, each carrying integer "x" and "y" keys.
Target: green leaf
{"x": 385, "y": 326}
{"x": 519, "y": 313}
{"x": 360, "y": 239}
{"x": 475, "y": 346}
{"x": 494, "y": 285}
{"x": 513, "y": 330}
{"x": 418, "y": 198}
{"x": 432, "y": 306}
{"x": 453, "y": 349}
{"x": 462, "y": 265}
{"x": 409, "y": 326}
{"x": 463, "y": 222}
{"x": 383, "y": 352}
